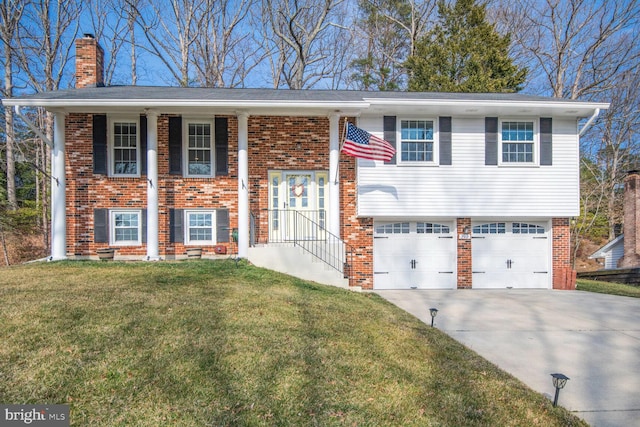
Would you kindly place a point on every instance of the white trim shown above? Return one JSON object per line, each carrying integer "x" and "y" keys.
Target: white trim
{"x": 58, "y": 191}
{"x": 243, "y": 184}
{"x": 187, "y": 239}
{"x": 186, "y": 121}
{"x": 333, "y": 182}
{"x": 111, "y": 121}
{"x": 112, "y": 227}
{"x": 535, "y": 141}
{"x": 153, "y": 253}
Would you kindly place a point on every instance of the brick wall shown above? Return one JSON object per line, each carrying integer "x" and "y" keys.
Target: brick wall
{"x": 564, "y": 277}
{"x": 465, "y": 271}
{"x": 88, "y": 191}
{"x": 631, "y": 221}
{"x": 89, "y": 63}
{"x": 281, "y": 143}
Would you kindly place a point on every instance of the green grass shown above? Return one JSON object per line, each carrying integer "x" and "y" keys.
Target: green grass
{"x": 608, "y": 288}
{"x": 208, "y": 343}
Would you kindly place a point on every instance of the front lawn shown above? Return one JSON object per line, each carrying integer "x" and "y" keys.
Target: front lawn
{"x": 208, "y": 343}
{"x": 608, "y": 288}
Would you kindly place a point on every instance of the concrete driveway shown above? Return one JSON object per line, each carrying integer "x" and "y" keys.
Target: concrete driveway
{"x": 594, "y": 339}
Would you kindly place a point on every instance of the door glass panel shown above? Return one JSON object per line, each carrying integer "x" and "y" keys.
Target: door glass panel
{"x": 299, "y": 191}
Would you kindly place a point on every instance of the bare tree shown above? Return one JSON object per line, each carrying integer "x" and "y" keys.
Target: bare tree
{"x": 171, "y": 29}
{"x": 10, "y": 14}
{"x": 306, "y": 39}
{"x": 224, "y": 53}
{"x": 577, "y": 46}
{"x": 616, "y": 150}
{"x": 114, "y": 25}
{"x": 44, "y": 48}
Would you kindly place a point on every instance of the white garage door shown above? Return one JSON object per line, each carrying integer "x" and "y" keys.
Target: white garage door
{"x": 511, "y": 255}
{"x": 414, "y": 255}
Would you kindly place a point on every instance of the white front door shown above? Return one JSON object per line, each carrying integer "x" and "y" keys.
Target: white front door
{"x": 298, "y": 205}
{"x": 511, "y": 255}
{"x": 414, "y": 255}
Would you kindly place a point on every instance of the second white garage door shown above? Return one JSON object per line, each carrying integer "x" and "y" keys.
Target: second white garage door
{"x": 511, "y": 255}
{"x": 414, "y": 255}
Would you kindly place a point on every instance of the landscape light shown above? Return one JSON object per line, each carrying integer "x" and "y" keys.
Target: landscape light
{"x": 559, "y": 381}
{"x": 434, "y": 313}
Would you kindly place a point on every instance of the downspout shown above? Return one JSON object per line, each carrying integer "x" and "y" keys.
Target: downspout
{"x": 33, "y": 127}
{"x": 588, "y": 124}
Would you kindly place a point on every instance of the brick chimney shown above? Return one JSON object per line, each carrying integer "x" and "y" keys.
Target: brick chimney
{"x": 631, "y": 226}
{"x": 89, "y": 62}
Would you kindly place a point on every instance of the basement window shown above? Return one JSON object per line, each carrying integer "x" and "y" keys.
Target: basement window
{"x": 125, "y": 227}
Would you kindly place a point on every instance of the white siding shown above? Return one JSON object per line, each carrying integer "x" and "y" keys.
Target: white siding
{"x": 613, "y": 255}
{"x": 468, "y": 188}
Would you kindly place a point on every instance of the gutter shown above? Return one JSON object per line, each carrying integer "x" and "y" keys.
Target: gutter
{"x": 588, "y": 124}
{"x": 33, "y": 127}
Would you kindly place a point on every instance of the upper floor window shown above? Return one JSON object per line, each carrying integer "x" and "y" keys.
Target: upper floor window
{"x": 417, "y": 141}
{"x": 518, "y": 142}
{"x": 125, "y": 147}
{"x": 199, "y": 147}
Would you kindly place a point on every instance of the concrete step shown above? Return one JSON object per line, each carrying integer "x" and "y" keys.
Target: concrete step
{"x": 296, "y": 262}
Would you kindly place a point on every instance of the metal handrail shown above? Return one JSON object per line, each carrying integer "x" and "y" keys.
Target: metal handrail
{"x": 306, "y": 229}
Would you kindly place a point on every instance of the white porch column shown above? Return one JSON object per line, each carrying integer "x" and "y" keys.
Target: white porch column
{"x": 152, "y": 186}
{"x": 243, "y": 185}
{"x": 334, "y": 184}
{"x": 58, "y": 191}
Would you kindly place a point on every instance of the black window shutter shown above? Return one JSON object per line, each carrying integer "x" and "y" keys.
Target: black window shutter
{"x": 546, "y": 138}
{"x": 101, "y": 225}
{"x": 222, "y": 225}
{"x": 100, "y": 144}
{"x": 445, "y": 140}
{"x": 389, "y": 135}
{"x": 490, "y": 140}
{"x": 175, "y": 145}
{"x": 143, "y": 145}
{"x": 222, "y": 146}
{"x": 176, "y": 233}
{"x": 143, "y": 222}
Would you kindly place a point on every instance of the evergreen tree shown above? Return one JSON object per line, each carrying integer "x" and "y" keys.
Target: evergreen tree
{"x": 464, "y": 53}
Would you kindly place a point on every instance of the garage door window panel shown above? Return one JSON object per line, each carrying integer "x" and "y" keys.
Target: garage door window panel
{"x": 523, "y": 228}
{"x": 490, "y": 228}
{"x": 395, "y": 228}
{"x": 431, "y": 228}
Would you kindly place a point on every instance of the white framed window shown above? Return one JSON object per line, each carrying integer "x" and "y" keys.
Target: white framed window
{"x": 200, "y": 227}
{"x": 198, "y": 147}
{"x": 418, "y": 141}
{"x": 125, "y": 227}
{"x": 518, "y": 142}
{"x": 124, "y": 146}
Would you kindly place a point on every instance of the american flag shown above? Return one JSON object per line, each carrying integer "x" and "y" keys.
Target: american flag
{"x": 360, "y": 143}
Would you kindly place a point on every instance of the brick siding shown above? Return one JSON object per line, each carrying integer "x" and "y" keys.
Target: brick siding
{"x": 465, "y": 270}
{"x": 564, "y": 277}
